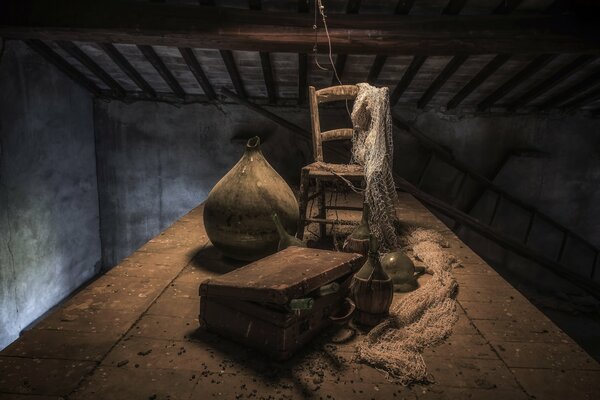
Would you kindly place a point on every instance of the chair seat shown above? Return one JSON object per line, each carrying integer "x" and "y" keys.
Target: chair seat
{"x": 324, "y": 170}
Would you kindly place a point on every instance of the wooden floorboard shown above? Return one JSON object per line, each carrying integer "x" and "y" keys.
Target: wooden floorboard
{"x": 133, "y": 333}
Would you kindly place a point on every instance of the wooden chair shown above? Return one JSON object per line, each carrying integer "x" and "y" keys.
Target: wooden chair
{"x": 319, "y": 171}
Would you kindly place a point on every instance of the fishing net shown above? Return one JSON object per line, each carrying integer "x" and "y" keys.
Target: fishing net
{"x": 418, "y": 320}
{"x": 373, "y": 149}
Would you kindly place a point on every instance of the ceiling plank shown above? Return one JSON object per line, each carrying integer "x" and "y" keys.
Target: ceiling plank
{"x": 547, "y": 84}
{"x": 533, "y": 67}
{"x": 507, "y": 6}
{"x": 70, "y": 71}
{"x": 573, "y": 90}
{"x": 74, "y": 51}
{"x": 449, "y": 70}
{"x": 251, "y": 30}
{"x": 162, "y": 69}
{"x": 407, "y": 78}
{"x": 194, "y": 66}
{"x": 234, "y": 74}
{"x": 133, "y": 74}
{"x": 477, "y": 80}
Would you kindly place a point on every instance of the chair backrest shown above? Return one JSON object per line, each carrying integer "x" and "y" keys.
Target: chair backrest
{"x": 333, "y": 93}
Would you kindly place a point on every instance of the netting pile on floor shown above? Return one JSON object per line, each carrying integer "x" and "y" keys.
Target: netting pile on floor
{"x": 372, "y": 148}
{"x": 418, "y": 320}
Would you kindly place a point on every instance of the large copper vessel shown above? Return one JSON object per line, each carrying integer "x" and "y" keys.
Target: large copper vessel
{"x": 238, "y": 210}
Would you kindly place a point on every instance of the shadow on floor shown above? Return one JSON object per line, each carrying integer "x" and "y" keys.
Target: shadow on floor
{"x": 304, "y": 372}
{"x": 210, "y": 259}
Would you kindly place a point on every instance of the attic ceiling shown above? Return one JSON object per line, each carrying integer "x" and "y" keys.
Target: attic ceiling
{"x": 462, "y": 79}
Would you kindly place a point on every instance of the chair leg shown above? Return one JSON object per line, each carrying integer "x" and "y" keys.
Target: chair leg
{"x": 303, "y": 200}
{"x": 322, "y": 209}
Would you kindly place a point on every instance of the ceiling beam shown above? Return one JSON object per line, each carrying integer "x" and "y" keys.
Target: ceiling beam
{"x": 234, "y": 74}
{"x": 127, "y": 68}
{"x": 162, "y": 69}
{"x": 533, "y": 67}
{"x": 575, "y": 89}
{"x": 407, "y": 78}
{"x": 74, "y": 51}
{"x": 376, "y": 68}
{"x": 449, "y": 70}
{"x": 478, "y": 79}
{"x": 547, "y": 84}
{"x": 267, "y": 68}
{"x": 252, "y": 30}
{"x": 194, "y": 66}
{"x": 70, "y": 71}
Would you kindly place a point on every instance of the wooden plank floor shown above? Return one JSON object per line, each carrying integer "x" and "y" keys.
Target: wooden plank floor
{"x": 132, "y": 334}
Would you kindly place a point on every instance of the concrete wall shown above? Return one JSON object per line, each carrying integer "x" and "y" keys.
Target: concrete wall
{"x": 556, "y": 169}
{"x": 157, "y": 161}
{"x": 49, "y": 233}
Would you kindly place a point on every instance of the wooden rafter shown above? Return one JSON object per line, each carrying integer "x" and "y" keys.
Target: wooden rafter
{"x": 478, "y": 79}
{"x": 302, "y": 61}
{"x": 74, "y": 51}
{"x": 449, "y": 70}
{"x": 55, "y": 59}
{"x": 232, "y": 70}
{"x": 454, "y": 7}
{"x": 161, "y": 68}
{"x": 302, "y": 77}
{"x": 194, "y": 65}
{"x": 407, "y": 78}
{"x": 352, "y": 7}
{"x": 376, "y": 68}
{"x": 340, "y": 65}
{"x": 533, "y": 67}
{"x": 588, "y": 97}
{"x": 265, "y": 61}
{"x": 547, "y": 84}
{"x": 507, "y": 6}
{"x": 564, "y": 95}
{"x": 402, "y": 8}
{"x": 243, "y": 29}
{"x": 133, "y": 74}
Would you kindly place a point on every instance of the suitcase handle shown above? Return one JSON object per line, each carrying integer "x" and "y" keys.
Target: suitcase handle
{"x": 345, "y": 318}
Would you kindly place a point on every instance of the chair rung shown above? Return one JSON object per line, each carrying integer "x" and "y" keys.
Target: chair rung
{"x": 348, "y": 208}
{"x": 332, "y": 221}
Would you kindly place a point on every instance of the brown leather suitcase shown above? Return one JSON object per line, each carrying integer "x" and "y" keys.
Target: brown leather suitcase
{"x": 258, "y": 305}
